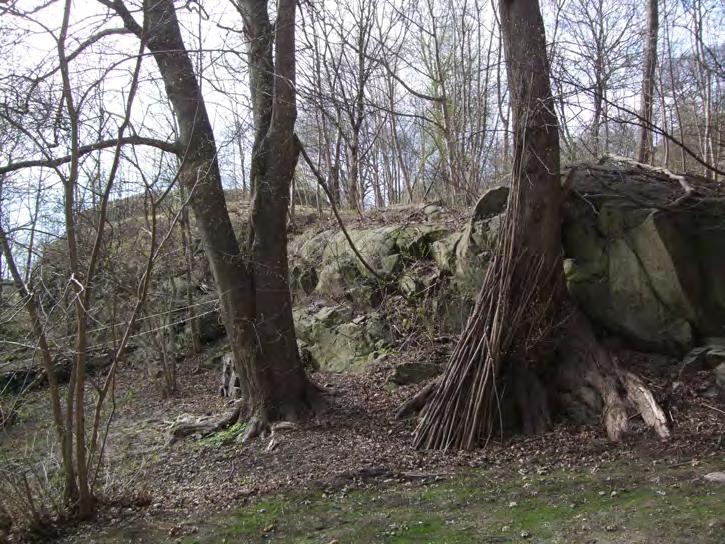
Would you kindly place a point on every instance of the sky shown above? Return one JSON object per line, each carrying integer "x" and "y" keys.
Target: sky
{"x": 212, "y": 35}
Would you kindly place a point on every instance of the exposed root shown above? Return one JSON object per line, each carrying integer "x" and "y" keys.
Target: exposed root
{"x": 205, "y": 426}
{"x": 614, "y": 415}
{"x": 416, "y": 403}
{"x": 256, "y": 427}
{"x": 620, "y": 390}
{"x": 265, "y": 422}
{"x": 641, "y": 397}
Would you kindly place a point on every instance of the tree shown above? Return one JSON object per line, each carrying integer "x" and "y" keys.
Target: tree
{"x": 252, "y": 284}
{"x": 594, "y": 55}
{"x": 514, "y": 329}
{"x": 648, "y": 83}
{"x": 80, "y": 444}
{"x": 278, "y": 385}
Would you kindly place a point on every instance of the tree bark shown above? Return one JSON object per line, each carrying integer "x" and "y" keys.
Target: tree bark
{"x": 199, "y": 173}
{"x": 255, "y": 299}
{"x": 540, "y": 194}
{"x": 648, "y": 83}
{"x": 282, "y": 389}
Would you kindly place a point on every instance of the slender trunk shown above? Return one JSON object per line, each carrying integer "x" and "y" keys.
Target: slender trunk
{"x": 186, "y": 244}
{"x": 75, "y": 415}
{"x": 46, "y": 360}
{"x": 648, "y": 83}
{"x": 199, "y": 173}
{"x": 675, "y": 98}
{"x": 355, "y": 197}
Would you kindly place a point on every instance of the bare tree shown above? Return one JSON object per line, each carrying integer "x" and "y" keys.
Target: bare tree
{"x": 648, "y": 82}
{"x": 513, "y": 330}
{"x": 252, "y": 285}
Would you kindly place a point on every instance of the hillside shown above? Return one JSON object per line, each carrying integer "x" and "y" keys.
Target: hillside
{"x": 646, "y": 268}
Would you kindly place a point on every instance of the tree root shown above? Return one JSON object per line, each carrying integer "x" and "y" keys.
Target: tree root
{"x": 416, "y": 403}
{"x": 260, "y": 424}
{"x": 642, "y": 398}
{"x": 265, "y": 422}
{"x": 256, "y": 427}
{"x": 620, "y": 390}
{"x": 207, "y": 425}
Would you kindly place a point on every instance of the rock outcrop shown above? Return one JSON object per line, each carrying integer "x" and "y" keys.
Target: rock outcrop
{"x": 642, "y": 267}
{"x": 642, "y": 262}
{"x": 339, "y": 339}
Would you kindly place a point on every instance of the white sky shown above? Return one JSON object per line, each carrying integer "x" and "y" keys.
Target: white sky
{"x": 35, "y": 47}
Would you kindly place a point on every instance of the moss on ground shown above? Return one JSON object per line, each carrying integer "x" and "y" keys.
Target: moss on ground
{"x": 625, "y": 501}
{"x": 225, "y": 436}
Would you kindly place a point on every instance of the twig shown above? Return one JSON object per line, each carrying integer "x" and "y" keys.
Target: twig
{"x": 681, "y": 179}
{"x": 706, "y": 405}
{"x": 323, "y": 184}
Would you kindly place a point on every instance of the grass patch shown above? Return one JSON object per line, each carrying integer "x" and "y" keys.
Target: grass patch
{"x": 226, "y": 436}
{"x": 622, "y": 501}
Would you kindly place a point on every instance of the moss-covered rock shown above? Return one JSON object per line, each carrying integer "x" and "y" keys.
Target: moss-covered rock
{"x": 340, "y": 341}
{"x": 443, "y": 251}
{"x": 306, "y": 256}
{"x": 492, "y": 202}
{"x": 415, "y": 241}
{"x": 640, "y": 271}
{"x": 638, "y": 267}
{"x": 414, "y": 372}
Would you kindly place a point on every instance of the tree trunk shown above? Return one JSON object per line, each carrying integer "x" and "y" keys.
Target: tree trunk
{"x": 540, "y": 194}
{"x": 514, "y": 334}
{"x": 281, "y": 389}
{"x": 255, "y": 300}
{"x": 536, "y": 163}
{"x": 199, "y": 173}
{"x": 536, "y": 138}
{"x": 648, "y": 83}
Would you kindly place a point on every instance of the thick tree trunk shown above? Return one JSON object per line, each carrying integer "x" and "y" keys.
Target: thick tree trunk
{"x": 281, "y": 387}
{"x": 199, "y": 173}
{"x": 255, "y": 300}
{"x": 536, "y": 162}
{"x": 535, "y": 127}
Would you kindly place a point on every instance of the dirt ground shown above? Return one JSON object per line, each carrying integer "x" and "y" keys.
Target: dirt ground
{"x": 350, "y": 474}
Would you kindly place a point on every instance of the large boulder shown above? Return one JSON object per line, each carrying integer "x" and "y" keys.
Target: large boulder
{"x": 640, "y": 267}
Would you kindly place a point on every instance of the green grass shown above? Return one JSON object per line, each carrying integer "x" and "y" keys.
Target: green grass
{"x": 622, "y": 501}
{"x": 224, "y": 437}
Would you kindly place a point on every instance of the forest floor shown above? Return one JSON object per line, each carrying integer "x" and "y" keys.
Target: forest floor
{"x": 351, "y": 475}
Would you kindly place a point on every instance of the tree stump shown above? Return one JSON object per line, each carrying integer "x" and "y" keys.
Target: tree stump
{"x": 231, "y": 386}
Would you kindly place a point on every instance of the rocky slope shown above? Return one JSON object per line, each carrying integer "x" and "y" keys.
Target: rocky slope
{"x": 642, "y": 262}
